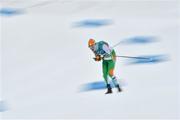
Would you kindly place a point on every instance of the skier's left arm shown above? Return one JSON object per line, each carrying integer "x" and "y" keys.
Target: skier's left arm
{"x": 107, "y": 49}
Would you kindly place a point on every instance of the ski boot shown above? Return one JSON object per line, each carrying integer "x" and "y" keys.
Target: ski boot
{"x": 109, "y": 89}
{"x": 118, "y": 88}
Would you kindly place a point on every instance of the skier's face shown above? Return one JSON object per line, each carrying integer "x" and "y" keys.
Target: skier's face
{"x": 92, "y": 47}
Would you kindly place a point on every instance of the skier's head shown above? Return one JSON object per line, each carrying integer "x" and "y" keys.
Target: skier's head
{"x": 91, "y": 43}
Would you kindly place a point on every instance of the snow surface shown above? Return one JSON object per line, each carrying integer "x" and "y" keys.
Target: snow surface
{"x": 45, "y": 59}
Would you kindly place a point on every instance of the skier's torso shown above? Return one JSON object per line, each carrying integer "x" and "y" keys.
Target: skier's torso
{"x": 99, "y": 48}
{"x": 102, "y": 48}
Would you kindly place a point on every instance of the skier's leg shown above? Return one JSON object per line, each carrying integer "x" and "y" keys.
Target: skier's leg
{"x": 111, "y": 66}
{"x": 105, "y": 71}
{"x": 105, "y": 75}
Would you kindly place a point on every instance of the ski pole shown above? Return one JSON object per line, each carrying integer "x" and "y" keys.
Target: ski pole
{"x": 116, "y": 44}
{"x": 133, "y": 57}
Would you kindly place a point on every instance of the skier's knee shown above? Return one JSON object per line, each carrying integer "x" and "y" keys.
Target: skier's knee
{"x": 111, "y": 72}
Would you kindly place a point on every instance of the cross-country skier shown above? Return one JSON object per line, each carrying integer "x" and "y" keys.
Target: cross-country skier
{"x": 103, "y": 52}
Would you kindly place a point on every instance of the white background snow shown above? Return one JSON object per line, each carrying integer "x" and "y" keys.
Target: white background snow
{"x": 44, "y": 60}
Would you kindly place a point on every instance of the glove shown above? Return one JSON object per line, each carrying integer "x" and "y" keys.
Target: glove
{"x": 97, "y": 58}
